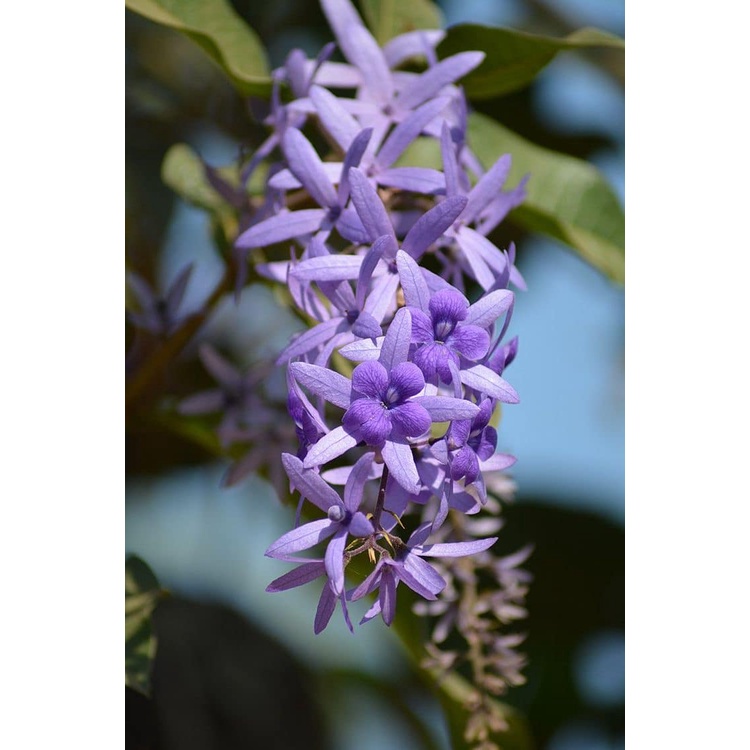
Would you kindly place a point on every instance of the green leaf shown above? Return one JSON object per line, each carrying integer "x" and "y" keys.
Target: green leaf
{"x": 223, "y": 35}
{"x": 568, "y": 199}
{"x": 389, "y": 18}
{"x": 513, "y": 58}
{"x": 142, "y": 592}
{"x": 182, "y": 170}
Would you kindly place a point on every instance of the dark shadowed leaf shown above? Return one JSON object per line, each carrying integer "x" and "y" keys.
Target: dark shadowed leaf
{"x": 513, "y": 57}
{"x": 220, "y": 32}
{"x": 389, "y": 18}
{"x": 142, "y": 592}
{"x": 568, "y": 199}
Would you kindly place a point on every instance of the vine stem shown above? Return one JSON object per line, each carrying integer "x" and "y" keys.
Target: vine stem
{"x": 381, "y": 497}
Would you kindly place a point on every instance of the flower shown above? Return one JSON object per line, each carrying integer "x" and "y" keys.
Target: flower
{"x": 409, "y": 567}
{"x": 442, "y": 335}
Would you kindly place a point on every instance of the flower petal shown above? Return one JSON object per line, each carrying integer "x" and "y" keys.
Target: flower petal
{"x": 435, "y": 78}
{"x": 485, "y": 311}
{"x": 360, "y": 525}
{"x": 323, "y": 382}
{"x": 369, "y": 419}
{"x": 416, "y": 292}
{"x": 447, "y": 408}
{"x": 334, "y": 560}
{"x": 432, "y": 225}
{"x": 387, "y": 596}
{"x": 352, "y": 158}
{"x": 420, "y": 180}
{"x": 301, "y": 575}
{"x": 488, "y": 188}
{"x": 396, "y": 343}
{"x": 330, "y": 446}
{"x": 369, "y": 207}
{"x": 339, "y": 124}
{"x": 484, "y": 380}
{"x": 328, "y": 268}
{"x": 407, "y": 131}
{"x": 422, "y": 577}
{"x": 284, "y": 226}
{"x": 326, "y": 605}
{"x": 470, "y": 341}
{"x": 355, "y": 482}
{"x": 362, "y": 351}
{"x": 303, "y": 537}
{"x": 370, "y": 379}
{"x": 410, "y": 419}
{"x": 456, "y": 549}
{"x": 309, "y": 483}
{"x": 407, "y": 379}
{"x": 399, "y": 459}
{"x": 307, "y": 167}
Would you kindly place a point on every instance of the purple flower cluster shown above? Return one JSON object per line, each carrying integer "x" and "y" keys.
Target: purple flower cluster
{"x": 383, "y": 257}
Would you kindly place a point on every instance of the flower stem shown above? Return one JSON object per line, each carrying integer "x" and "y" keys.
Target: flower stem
{"x": 381, "y": 498}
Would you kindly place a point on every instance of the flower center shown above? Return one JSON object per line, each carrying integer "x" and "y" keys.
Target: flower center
{"x": 336, "y": 513}
{"x": 351, "y": 316}
{"x": 443, "y": 329}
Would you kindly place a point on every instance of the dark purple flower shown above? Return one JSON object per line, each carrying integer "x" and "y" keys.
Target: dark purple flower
{"x": 381, "y": 404}
{"x": 373, "y": 419}
{"x": 442, "y": 335}
{"x": 472, "y": 441}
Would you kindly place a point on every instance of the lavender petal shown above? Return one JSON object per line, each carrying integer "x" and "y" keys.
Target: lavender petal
{"x": 369, "y": 207}
{"x": 399, "y": 459}
{"x": 284, "y": 226}
{"x": 339, "y": 124}
{"x": 432, "y": 225}
{"x": 484, "y": 380}
{"x": 323, "y": 382}
{"x": 416, "y": 292}
{"x": 301, "y": 538}
{"x": 435, "y": 78}
{"x": 488, "y": 188}
{"x": 396, "y": 343}
{"x": 446, "y": 408}
{"x": 456, "y": 549}
{"x": 334, "y": 560}
{"x": 420, "y": 180}
{"x": 485, "y": 311}
{"x": 298, "y": 577}
{"x": 330, "y": 446}
{"x": 408, "y": 130}
{"x": 309, "y": 483}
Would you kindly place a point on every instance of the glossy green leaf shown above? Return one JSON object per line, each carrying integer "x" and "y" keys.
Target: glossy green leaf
{"x": 513, "y": 58}
{"x": 142, "y": 592}
{"x": 389, "y": 18}
{"x": 568, "y": 199}
{"x": 223, "y": 35}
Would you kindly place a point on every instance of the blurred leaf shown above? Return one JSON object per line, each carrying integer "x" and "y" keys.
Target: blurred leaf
{"x": 220, "y": 32}
{"x": 182, "y": 170}
{"x": 142, "y": 592}
{"x": 513, "y": 57}
{"x": 389, "y": 18}
{"x": 568, "y": 199}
